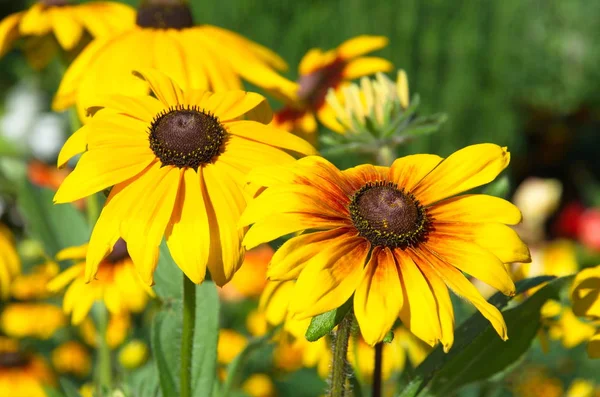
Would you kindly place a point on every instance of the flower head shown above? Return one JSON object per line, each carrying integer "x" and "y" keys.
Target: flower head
{"x": 320, "y": 71}
{"x": 393, "y": 238}
{"x": 16, "y": 320}
{"x": 178, "y": 164}
{"x": 21, "y": 373}
{"x": 32, "y": 285}
{"x": 585, "y": 294}
{"x": 10, "y": 264}
{"x": 133, "y": 354}
{"x": 165, "y": 38}
{"x": 51, "y": 22}
{"x": 117, "y": 283}
{"x": 72, "y": 358}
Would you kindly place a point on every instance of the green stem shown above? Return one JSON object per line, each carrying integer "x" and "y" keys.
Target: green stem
{"x": 187, "y": 335}
{"x": 92, "y": 209}
{"x": 104, "y": 359}
{"x": 377, "y": 372}
{"x": 339, "y": 370}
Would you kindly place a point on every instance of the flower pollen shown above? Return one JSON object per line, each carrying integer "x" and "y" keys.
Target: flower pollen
{"x": 388, "y": 216}
{"x": 186, "y": 136}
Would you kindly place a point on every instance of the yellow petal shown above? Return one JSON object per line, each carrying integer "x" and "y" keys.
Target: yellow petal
{"x": 144, "y": 227}
{"x": 188, "y": 234}
{"x": 230, "y": 105}
{"x": 171, "y": 65}
{"x": 378, "y": 298}
{"x": 289, "y": 260}
{"x": 330, "y": 278}
{"x": 585, "y": 292}
{"x": 311, "y": 61}
{"x": 463, "y": 170}
{"x": 144, "y": 108}
{"x": 77, "y": 143}
{"x": 78, "y": 252}
{"x": 68, "y": 30}
{"x": 165, "y": 89}
{"x": 246, "y": 155}
{"x": 409, "y": 170}
{"x": 419, "y": 312}
{"x": 366, "y": 66}
{"x": 9, "y": 32}
{"x": 270, "y": 136}
{"x": 275, "y": 299}
{"x": 593, "y": 348}
{"x": 102, "y": 168}
{"x": 227, "y": 203}
{"x": 63, "y": 279}
{"x": 475, "y": 208}
{"x": 36, "y": 21}
{"x": 361, "y": 45}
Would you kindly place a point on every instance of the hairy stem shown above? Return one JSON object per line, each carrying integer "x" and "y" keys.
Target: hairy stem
{"x": 187, "y": 335}
{"x": 339, "y": 370}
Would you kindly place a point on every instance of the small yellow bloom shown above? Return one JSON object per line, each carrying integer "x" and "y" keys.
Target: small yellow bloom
{"x": 231, "y": 343}
{"x": 118, "y": 329}
{"x": 581, "y": 388}
{"x": 318, "y": 72}
{"x": 585, "y": 295}
{"x": 23, "y": 374}
{"x": 395, "y": 239}
{"x": 87, "y": 390}
{"x": 36, "y": 320}
{"x": 117, "y": 283}
{"x": 537, "y": 383}
{"x": 259, "y": 385}
{"x": 33, "y": 285}
{"x": 50, "y": 24}
{"x": 165, "y": 38}
{"x": 256, "y": 323}
{"x": 133, "y": 354}
{"x": 178, "y": 164}
{"x": 72, "y": 358}
{"x": 10, "y": 264}
{"x": 251, "y": 278}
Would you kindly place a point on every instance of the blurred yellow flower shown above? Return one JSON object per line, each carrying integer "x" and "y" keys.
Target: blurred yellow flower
{"x": 536, "y": 382}
{"x": 117, "y": 283}
{"x": 377, "y": 234}
{"x": 22, "y": 374}
{"x": 87, "y": 390}
{"x": 36, "y": 320}
{"x": 72, "y": 358}
{"x": 194, "y": 150}
{"x": 259, "y": 385}
{"x": 231, "y": 343}
{"x": 133, "y": 354}
{"x": 251, "y": 278}
{"x": 50, "y": 24}
{"x": 33, "y": 285}
{"x": 10, "y": 264}
{"x": 165, "y": 38}
{"x": 585, "y": 295}
{"x": 581, "y": 388}
{"x": 318, "y": 72}
{"x": 118, "y": 328}
{"x": 256, "y": 323}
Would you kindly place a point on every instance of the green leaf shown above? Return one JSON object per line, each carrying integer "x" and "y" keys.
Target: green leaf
{"x": 55, "y": 226}
{"x": 69, "y": 388}
{"x": 499, "y": 188}
{"x": 389, "y": 337}
{"x": 468, "y": 332}
{"x": 168, "y": 277}
{"x": 52, "y": 392}
{"x": 143, "y": 382}
{"x": 322, "y": 324}
{"x": 166, "y": 342}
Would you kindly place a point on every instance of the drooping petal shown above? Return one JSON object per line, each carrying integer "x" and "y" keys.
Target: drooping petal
{"x": 365, "y": 66}
{"x": 330, "y": 278}
{"x": 463, "y": 170}
{"x": 188, "y": 234}
{"x": 407, "y": 171}
{"x": 270, "y": 136}
{"x": 173, "y": 65}
{"x": 361, "y": 45}
{"x": 289, "y": 260}
{"x": 9, "y": 32}
{"x": 63, "y": 279}
{"x": 76, "y": 144}
{"x": 78, "y": 252}
{"x": 475, "y": 208}
{"x": 35, "y": 21}
{"x": 165, "y": 88}
{"x": 378, "y": 299}
{"x": 68, "y": 30}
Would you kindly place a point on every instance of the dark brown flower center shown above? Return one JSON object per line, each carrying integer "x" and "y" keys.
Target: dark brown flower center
{"x": 13, "y": 359}
{"x": 164, "y": 14}
{"x": 186, "y": 137}
{"x": 54, "y": 3}
{"x": 118, "y": 253}
{"x": 388, "y": 216}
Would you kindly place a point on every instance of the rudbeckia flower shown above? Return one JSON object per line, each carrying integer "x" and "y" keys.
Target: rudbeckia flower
{"x": 166, "y": 38}
{"x": 16, "y": 320}
{"x": 117, "y": 283}
{"x": 585, "y": 295}
{"x": 393, "y": 238}
{"x": 49, "y": 24}
{"x": 32, "y": 285}
{"x": 22, "y": 374}
{"x": 72, "y": 358}
{"x": 178, "y": 165}
{"x": 318, "y": 72}
{"x": 10, "y": 264}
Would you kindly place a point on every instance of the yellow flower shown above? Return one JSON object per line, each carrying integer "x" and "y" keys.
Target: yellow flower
{"x": 16, "y": 320}
{"x": 231, "y": 343}
{"x": 259, "y": 385}
{"x": 165, "y": 38}
{"x": 119, "y": 326}
{"x": 72, "y": 358}
{"x": 393, "y": 238}
{"x": 87, "y": 390}
{"x": 116, "y": 283}
{"x": 23, "y": 374}
{"x": 581, "y": 388}
{"x": 178, "y": 164}
{"x": 585, "y": 295}
{"x": 51, "y": 22}
{"x": 318, "y": 72}
{"x": 133, "y": 354}
{"x": 33, "y": 285}
{"x": 256, "y": 323}
{"x": 537, "y": 383}
{"x": 251, "y": 278}
{"x": 10, "y": 264}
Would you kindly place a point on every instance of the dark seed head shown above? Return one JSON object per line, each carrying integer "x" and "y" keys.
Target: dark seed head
{"x": 164, "y": 14}
{"x": 54, "y": 3}
{"x": 388, "y": 216}
{"x": 119, "y": 252}
{"x": 13, "y": 359}
{"x": 186, "y": 137}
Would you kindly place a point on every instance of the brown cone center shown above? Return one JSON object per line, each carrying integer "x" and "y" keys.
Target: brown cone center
{"x": 388, "y": 216}
{"x": 13, "y": 359}
{"x": 164, "y": 14}
{"x": 186, "y": 137}
{"x": 54, "y": 3}
{"x": 119, "y": 252}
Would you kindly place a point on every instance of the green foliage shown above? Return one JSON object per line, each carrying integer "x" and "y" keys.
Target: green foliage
{"x": 69, "y": 388}
{"x": 323, "y": 324}
{"x": 167, "y": 277}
